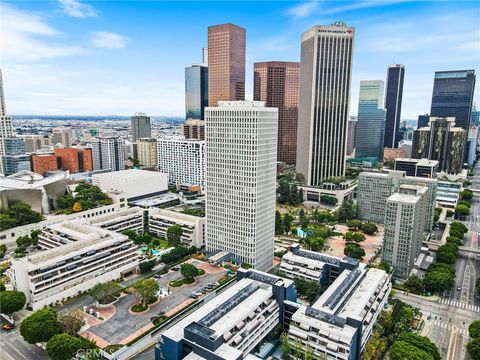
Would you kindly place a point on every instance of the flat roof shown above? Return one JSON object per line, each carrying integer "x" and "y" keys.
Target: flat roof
{"x": 156, "y": 200}
{"x": 404, "y": 198}
{"x": 130, "y": 174}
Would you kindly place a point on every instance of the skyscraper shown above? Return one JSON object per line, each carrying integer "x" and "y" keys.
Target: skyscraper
{"x": 453, "y": 95}
{"x": 393, "y": 105}
{"x": 241, "y": 142}
{"x": 277, "y": 83}
{"x": 194, "y": 129}
{"x": 108, "y": 153}
{"x": 325, "y": 77}
{"x": 226, "y": 63}
{"x": 6, "y": 127}
{"x": 140, "y": 126}
{"x": 196, "y": 89}
{"x": 61, "y": 136}
{"x": 351, "y": 130}
{"x": 442, "y": 140}
{"x": 370, "y": 120}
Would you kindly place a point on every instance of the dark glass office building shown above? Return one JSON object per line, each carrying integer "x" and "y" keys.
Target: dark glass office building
{"x": 423, "y": 121}
{"x": 196, "y": 91}
{"x": 393, "y": 105}
{"x": 453, "y": 96}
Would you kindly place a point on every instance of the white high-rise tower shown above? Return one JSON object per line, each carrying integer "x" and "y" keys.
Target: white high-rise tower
{"x": 241, "y": 153}
{"x": 325, "y": 76}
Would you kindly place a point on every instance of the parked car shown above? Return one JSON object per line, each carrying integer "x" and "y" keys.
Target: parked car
{"x": 176, "y": 268}
{"x": 193, "y": 296}
{"x": 8, "y": 327}
{"x": 157, "y": 276}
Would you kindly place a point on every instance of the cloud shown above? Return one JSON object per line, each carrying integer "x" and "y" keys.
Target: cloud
{"x": 304, "y": 9}
{"x": 24, "y": 34}
{"x": 75, "y": 8}
{"x": 359, "y": 5}
{"x": 108, "y": 40}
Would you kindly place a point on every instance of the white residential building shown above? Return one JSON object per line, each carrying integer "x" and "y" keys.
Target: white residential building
{"x": 404, "y": 225}
{"x": 78, "y": 257}
{"x": 134, "y": 183}
{"x": 182, "y": 160}
{"x": 241, "y": 139}
{"x": 159, "y": 220}
{"x": 108, "y": 153}
{"x": 124, "y": 219}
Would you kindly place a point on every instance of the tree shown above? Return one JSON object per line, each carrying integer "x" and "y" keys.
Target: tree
{"x": 19, "y": 214}
{"x": 70, "y": 321}
{"x": 283, "y": 191}
{"x": 385, "y": 266}
{"x": 402, "y": 350}
{"x": 174, "y": 233}
{"x": 11, "y": 301}
{"x": 287, "y": 222}
{"x": 41, "y": 326}
{"x": 454, "y": 240}
{"x": 176, "y": 254}
{"x": 106, "y": 292}
{"x": 447, "y": 253}
{"x": 63, "y": 347}
{"x": 316, "y": 243}
{"x": 146, "y": 266}
{"x": 462, "y": 210}
{"x": 474, "y": 329}
{"x": 466, "y": 203}
{"x": 347, "y": 211}
{"x": 77, "y": 207}
{"x": 369, "y": 228}
{"x": 278, "y": 223}
{"x": 307, "y": 288}
{"x": 3, "y": 251}
{"x": 354, "y": 224}
{"x": 439, "y": 277}
{"x": 354, "y": 251}
{"x": 477, "y": 285}
{"x": 354, "y": 236}
{"x": 285, "y": 345}
{"x": 132, "y": 235}
{"x": 2, "y": 288}
{"x": 414, "y": 284}
{"x": 458, "y": 229}
{"x": 327, "y": 199}
{"x": 188, "y": 271}
{"x": 422, "y": 343}
{"x": 144, "y": 290}
{"x": 473, "y": 348}
{"x": 466, "y": 194}
{"x": 6, "y": 222}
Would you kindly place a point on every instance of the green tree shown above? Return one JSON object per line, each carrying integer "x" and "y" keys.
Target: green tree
{"x": 174, "y": 233}
{"x": 144, "y": 290}
{"x": 414, "y": 284}
{"x": 455, "y": 240}
{"x": 447, "y": 253}
{"x": 422, "y": 343}
{"x": 402, "y": 350}
{"x": 6, "y": 222}
{"x": 385, "y": 266}
{"x": 327, "y": 199}
{"x": 41, "y": 326}
{"x": 283, "y": 191}
{"x": 105, "y": 293}
{"x": 465, "y": 203}
{"x": 477, "y": 285}
{"x": 63, "y": 347}
{"x": 369, "y": 228}
{"x": 354, "y": 224}
{"x": 474, "y": 329}
{"x": 307, "y": 288}
{"x": 347, "y": 211}
{"x": 473, "y": 348}
{"x": 23, "y": 214}
{"x": 316, "y": 243}
{"x": 285, "y": 345}
{"x": 132, "y": 235}
{"x": 439, "y": 277}
{"x": 462, "y": 210}
{"x": 65, "y": 202}
{"x": 11, "y": 301}
{"x": 354, "y": 251}
{"x": 3, "y": 251}
{"x": 354, "y": 236}
{"x": 278, "y": 223}
{"x": 146, "y": 266}
{"x": 466, "y": 194}
{"x": 287, "y": 223}
{"x": 188, "y": 271}
{"x": 70, "y": 321}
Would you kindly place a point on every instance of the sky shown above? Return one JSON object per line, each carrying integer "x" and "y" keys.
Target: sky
{"x": 77, "y": 57}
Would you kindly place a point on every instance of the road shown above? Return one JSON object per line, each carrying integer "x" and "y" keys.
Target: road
{"x": 446, "y": 325}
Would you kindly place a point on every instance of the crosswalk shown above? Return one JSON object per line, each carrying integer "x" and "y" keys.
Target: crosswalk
{"x": 460, "y": 304}
{"x": 448, "y": 326}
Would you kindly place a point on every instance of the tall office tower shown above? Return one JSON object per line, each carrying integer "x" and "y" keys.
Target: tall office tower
{"x": 146, "y": 150}
{"x": 6, "y": 127}
{"x": 108, "y": 153}
{"x": 351, "y": 130}
{"x": 62, "y": 136}
{"x": 404, "y": 226}
{"x": 196, "y": 89}
{"x": 226, "y": 63}
{"x": 194, "y": 129}
{"x": 277, "y": 83}
{"x": 241, "y": 166}
{"x": 472, "y": 144}
{"x": 140, "y": 126}
{"x": 423, "y": 121}
{"x": 370, "y": 120}
{"x": 441, "y": 141}
{"x": 453, "y": 95}
{"x": 325, "y": 77}
{"x": 475, "y": 116}
{"x": 182, "y": 160}
{"x": 393, "y": 105}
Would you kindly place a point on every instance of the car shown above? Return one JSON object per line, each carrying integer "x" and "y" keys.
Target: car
{"x": 176, "y": 268}
{"x": 459, "y": 288}
{"x": 8, "y": 327}
{"x": 157, "y": 276}
{"x": 193, "y": 296}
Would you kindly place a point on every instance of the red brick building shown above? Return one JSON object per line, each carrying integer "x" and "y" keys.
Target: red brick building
{"x": 43, "y": 163}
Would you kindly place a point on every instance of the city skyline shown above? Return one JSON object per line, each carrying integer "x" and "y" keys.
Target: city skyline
{"x": 117, "y": 70}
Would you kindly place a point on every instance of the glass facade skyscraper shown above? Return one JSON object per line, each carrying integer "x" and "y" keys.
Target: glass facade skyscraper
{"x": 196, "y": 91}
{"x": 370, "y": 120}
{"x": 141, "y": 127}
{"x": 453, "y": 96}
{"x": 393, "y": 105}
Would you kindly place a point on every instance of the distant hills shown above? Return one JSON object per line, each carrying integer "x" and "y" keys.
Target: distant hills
{"x": 164, "y": 119}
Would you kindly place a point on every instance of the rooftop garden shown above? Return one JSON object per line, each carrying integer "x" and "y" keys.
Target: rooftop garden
{"x": 87, "y": 196}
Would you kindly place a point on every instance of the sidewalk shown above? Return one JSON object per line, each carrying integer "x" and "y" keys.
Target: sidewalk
{"x": 433, "y": 298}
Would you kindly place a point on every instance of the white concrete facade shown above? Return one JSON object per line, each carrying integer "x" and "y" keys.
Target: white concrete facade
{"x": 108, "y": 153}
{"x": 241, "y": 139}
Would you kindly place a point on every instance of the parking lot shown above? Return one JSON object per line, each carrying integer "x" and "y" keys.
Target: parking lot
{"x": 123, "y": 324}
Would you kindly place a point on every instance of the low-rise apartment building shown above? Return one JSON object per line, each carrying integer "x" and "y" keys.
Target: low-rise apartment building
{"x": 77, "y": 256}
{"x": 125, "y": 219}
{"x": 159, "y": 220}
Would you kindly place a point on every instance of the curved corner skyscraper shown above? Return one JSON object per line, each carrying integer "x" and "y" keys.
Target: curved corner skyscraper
{"x": 325, "y": 77}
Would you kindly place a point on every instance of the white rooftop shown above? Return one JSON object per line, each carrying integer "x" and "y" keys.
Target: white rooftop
{"x": 403, "y": 198}
{"x": 130, "y": 174}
